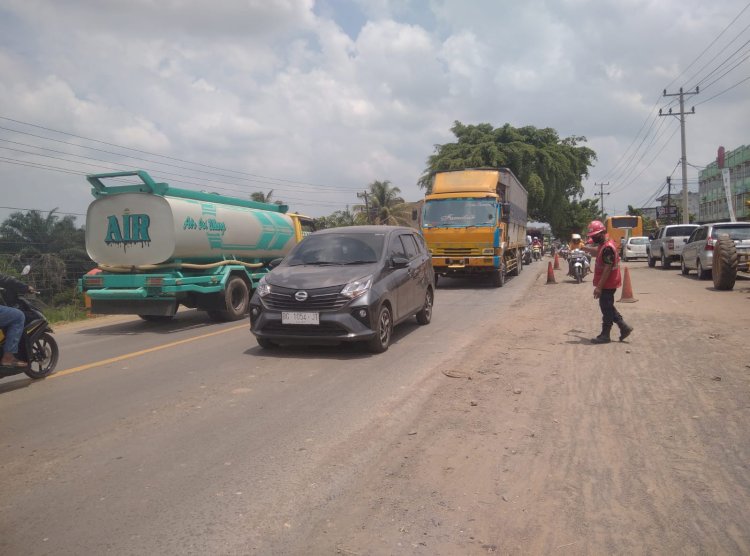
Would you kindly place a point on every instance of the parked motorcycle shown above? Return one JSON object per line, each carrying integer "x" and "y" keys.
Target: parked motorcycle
{"x": 578, "y": 265}
{"x": 37, "y": 346}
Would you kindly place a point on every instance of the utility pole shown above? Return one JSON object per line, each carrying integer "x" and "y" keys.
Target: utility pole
{"x": 681, "y": 114}
{"x": 669, "y": 201}
{"x": 364, "y": 195}
{"x": 601, "y": 193}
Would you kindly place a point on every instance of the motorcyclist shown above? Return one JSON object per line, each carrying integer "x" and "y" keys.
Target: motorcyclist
{"x": 12, "y": 320}
{"x": 575, "y": 242}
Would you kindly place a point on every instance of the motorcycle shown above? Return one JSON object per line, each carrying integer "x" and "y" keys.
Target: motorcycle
{"x": 37, "y": 346}
{"x": 564, "y": 253}
{"x": 536, "y": 252}
{"x": 578, "y": 265}
{"x": 526, "y": 255}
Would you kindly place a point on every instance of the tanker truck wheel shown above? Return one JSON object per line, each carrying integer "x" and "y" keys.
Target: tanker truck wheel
{"x": 236, "y": 299}
{"x": 724, "y": 263}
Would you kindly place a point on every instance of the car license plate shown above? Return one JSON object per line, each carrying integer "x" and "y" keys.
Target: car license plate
{"x": 299, "y": 318}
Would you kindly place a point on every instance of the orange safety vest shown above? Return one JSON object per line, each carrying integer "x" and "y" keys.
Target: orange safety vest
{"x": 614, "y": 280}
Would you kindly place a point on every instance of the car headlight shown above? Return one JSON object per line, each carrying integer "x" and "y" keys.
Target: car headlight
{"x": 357, "y": 288}
{"x": 263, "y": 288}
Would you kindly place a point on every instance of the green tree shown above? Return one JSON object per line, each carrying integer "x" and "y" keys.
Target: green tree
{"x": 339, "y": 218}
{"x": 385, "y": 205}
{"x": 551, "y": 168}
{"x": 261, "y": 197}
{"x": 53, "y": 246}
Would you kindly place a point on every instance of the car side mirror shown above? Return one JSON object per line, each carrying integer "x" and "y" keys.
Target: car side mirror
{"x": 26, "y": 270}
{"x": 399, "y": 262}
{"x": 275, "y": 262}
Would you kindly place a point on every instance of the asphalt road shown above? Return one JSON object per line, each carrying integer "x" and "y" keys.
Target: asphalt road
{"x": 187, "y": 438}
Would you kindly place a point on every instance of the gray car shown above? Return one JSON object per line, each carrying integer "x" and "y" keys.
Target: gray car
{"x": 698, "y": 252}
{"x": 344, "y": 285}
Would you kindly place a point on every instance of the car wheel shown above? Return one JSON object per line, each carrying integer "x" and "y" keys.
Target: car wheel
{"x": 665, "y": 261}
{"x": 624, "y": 258}
{"x": 383, "y": 331}
{"x": 651, "y": 261}
{"x": 265, "y": 343}
{"x": 702, "y": 274}
{"x": 683, "y": 267}
{"x": 425, "y": 314}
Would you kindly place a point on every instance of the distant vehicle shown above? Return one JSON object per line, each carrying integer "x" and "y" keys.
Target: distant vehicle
{"x": 344, "y": 285}
{"x": 635, "y": 248}
{"x": 699, "y": 249}
{"x": 619, "y": 227}
{"x": 474, "y": 222}
{"x": 668, "y": 242}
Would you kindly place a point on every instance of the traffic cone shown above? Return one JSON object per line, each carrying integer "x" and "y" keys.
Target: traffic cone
{"x": 550, "y": 274}
{"x": 627, "y": 289}
{"x": 557, "y": 263}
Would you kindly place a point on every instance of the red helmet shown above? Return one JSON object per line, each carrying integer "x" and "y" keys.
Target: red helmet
{"x": 596, "y": 228}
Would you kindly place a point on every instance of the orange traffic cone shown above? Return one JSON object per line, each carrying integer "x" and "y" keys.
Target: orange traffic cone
{"x": 550, "y": 274}
{"x": 627, "y": 289}
{"x": 557, "y": 263}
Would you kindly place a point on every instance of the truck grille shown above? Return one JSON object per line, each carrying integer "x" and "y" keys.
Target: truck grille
{"x": 457, "y": 251}
{"x": 320, "y": 299}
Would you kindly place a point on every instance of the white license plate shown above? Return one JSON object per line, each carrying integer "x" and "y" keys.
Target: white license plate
{"x": 300, "y": 318}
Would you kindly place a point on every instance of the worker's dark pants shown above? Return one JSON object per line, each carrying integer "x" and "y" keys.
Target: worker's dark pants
{"x": 607, "y": 305}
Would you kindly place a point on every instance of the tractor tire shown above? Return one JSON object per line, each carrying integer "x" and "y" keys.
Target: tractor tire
{"x": 724, "y": 263}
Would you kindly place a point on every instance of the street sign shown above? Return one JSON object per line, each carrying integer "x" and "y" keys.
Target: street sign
{"x": 661, "y": 212}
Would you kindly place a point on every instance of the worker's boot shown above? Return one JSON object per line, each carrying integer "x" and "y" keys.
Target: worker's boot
{"x": 603, "y": 338}
{"x": 625, "y": 329}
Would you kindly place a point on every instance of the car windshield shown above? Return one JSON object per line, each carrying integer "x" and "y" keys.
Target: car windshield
{"x": 737, "y": 233}
{"x": 459, "y": 213}
{"x": 639, "y": 241}
{"x": 337, "y": 249}
{"x": 680, "y": 231}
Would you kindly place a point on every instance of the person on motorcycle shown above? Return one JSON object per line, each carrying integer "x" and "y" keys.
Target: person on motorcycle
{"x": 606, "y": 281}
{"x": 12, "y": 320}
{"x": 575, "y": 242}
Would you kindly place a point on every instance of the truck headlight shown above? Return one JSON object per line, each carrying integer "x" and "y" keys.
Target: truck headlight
{"x": 357, "y": 288}
{"x": 263, "y": 288}
{"x": 488, "y": 251}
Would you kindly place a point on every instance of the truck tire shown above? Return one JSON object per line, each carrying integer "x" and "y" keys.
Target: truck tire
{"x": 666, "y": 262}
{"x": 651, "y": 260}
{"x": 236, "y": 300}
{"x": 498, "y": 277}
{"x": 724, "y": 263}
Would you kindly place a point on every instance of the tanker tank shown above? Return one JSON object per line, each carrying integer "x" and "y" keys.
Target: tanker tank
{"x": 134, "y": 229}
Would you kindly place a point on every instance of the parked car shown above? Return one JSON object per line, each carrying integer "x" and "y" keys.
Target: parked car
{"x": 667, "y": 243}
{"x": 343, "y": 285}
{"x": 635, "y": 248}
{"x": 699, "y": 249}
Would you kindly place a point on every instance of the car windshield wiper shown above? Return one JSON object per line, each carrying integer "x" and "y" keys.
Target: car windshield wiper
{"x": 359, "y": 262}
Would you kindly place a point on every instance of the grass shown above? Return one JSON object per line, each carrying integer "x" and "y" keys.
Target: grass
{"x": 65, "y": 313}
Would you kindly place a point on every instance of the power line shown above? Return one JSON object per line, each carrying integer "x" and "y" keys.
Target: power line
{"x": 724, "y": 91}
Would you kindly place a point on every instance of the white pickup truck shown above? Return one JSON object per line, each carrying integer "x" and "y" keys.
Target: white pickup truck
{"x": 667, "y": 243}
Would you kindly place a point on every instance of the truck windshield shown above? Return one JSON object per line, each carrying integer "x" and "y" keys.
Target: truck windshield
{"x": 459, "y": 213}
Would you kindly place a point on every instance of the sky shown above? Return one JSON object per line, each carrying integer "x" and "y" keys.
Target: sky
{"x": 316, "y": 99}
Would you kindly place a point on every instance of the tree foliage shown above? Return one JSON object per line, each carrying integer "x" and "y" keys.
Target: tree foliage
{"x": 384, "y": 205}
{"x": 261, "y": 197}
{"x": 339, "y": 218}
{"x": 550, "y": 168}
{"x": 53, "y": 246}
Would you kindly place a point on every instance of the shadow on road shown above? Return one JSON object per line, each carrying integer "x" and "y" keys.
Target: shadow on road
{"x": 340, "y": 351}
{"x": 184, "y": 320}
{"x": 15, "y": 384}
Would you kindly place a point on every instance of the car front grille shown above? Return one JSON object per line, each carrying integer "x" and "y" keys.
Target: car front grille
{"x": 331, "y": 329}
{"x": 319, "y": 299}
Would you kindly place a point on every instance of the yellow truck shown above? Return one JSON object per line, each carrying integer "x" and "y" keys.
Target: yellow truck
{"x": 474, "y": 223}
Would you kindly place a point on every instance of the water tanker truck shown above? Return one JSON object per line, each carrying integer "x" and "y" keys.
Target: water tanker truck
{"x": 474, "y": 223}
{"x": 158, "y": 247}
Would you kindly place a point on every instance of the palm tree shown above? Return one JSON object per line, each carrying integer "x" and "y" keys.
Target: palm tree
{"x": 260, "y": 197}
{"x": 383, "y": 205}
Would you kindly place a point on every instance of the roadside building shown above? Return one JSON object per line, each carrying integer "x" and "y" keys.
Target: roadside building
{"x": 675, "y": 200}
{"x": 713, "y": 201}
